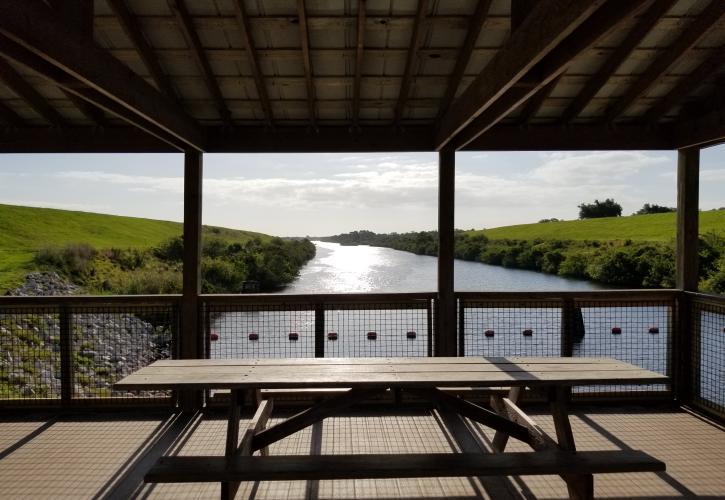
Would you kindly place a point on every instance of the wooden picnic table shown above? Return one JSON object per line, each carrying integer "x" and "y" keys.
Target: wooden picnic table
{"x": 424, "y": 377}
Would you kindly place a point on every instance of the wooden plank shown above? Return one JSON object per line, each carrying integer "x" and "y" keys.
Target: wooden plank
{"x": 229, "y": 488}
{"x": 131, "y": 27}
{"x": 307, "y": 62}
{"x": 533, "y": 105}
{"x": 307, "y": 417}
{"x": 500, "y": 439}
{"x": 9, "y": 117}
{"x": 623, "y": 50}
{"x": 694, "y": 32}
{"x": 33, "y": 26}
{"x": 550, "y": 22}
{"x": 416, "y": 39}
{"x": 258, "y": 423}
{"x": 688, "y": 185}
{"x": 292, "y": 468}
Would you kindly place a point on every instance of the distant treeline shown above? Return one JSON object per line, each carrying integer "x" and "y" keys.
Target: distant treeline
{"x": 225, "y": 266}
{"x": 620, "y": 263}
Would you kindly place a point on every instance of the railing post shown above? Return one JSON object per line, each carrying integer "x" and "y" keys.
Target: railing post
{"x": 65, "y": 320}
{"x": 461, "y": 327}
{"x": 429, "y": 318}
{"x": 319, "y": 330}
{"x": 567, "y": 327}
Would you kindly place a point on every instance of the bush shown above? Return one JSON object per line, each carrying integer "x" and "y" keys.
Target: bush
{"x": 171, "y": 250}
{"x": 606, "y": 208}
{"x": 72, "y": 260}
{"x": 654, "y": 209}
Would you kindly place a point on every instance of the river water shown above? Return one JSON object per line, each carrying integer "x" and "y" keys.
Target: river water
{"x": 365, "y": 269}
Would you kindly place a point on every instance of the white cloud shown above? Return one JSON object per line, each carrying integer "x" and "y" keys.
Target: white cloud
{"x": 148, "y": 183}
{"x": 713, "y": 175}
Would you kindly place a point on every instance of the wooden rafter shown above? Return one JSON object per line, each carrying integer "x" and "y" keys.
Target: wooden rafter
{"x": 702, "y": 123}
{"x": 307, "y": 61}
{"x": 533, "y": 105}
{"x": 550, "y": 22}
{"x": 687, "y": 85}
{"x": 553, "y": 65}
{"x": 415, "y": 41}
{"x": 132, "y": 29}
{"x": 34, "y": 28}
{"x": 9, "y": 117}
{"x": 464, "y": 55}
{"x": 244, "y": 26}
{"x": 186, "y": 24}
{"x": 359, "y": 53}
{"x": 693, "y": 33}
{"x": 15, "y": 82}
{"x": 91, "y": 112}
{"x": 643, "y": 26}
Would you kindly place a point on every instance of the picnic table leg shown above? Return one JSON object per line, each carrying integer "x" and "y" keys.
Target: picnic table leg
{"x": 500, "y": 439}
{"x": 229, "y": 488}
{"x": 581, "y": 487}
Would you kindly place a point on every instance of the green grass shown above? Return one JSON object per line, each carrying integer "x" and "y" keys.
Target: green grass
{"x": 25, "y": 230}
{"x": 655, "y": 227}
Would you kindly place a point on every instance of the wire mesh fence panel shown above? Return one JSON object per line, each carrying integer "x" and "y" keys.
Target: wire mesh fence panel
{"x": 29, "y": 353}
{"x": 111, "y": 342}
{"x": 709, "y": 356}
{"x": 260, "y": 331}
{"x": 637, "y": 332}
{"x": 373, "y": 330}
{"x": 511, "y": 329}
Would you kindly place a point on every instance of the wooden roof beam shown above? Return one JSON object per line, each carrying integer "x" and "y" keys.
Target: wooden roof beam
{"x": 243, "y": 22}
{"x": 359, "y": 53}
{"x": 464, "y": 55}
{"x": 19, "y": 86}
{"x": 186, "y": 24}
{"x": 553, "y": 65}
{"x": 687, "y": 85}
{"x": 692, "y": 34}
{"x": 549, "y": 22}
{"x": 307, "y": 61}
{"x": 533, "y": 105}
{"x": 91, "y": 112}
{"x": 635, "y": 36}
{"x": 415, "y": 40}
{"x": 702, "y": 123}
{"x": 34, "y": 27}
{"x": 132, "y": 29}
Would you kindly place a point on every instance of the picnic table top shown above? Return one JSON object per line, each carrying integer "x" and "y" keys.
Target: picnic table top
{"x": 385, "y": 372}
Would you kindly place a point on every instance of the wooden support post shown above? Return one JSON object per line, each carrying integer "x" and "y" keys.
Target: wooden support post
{"x": 688, "y": 173}
{"x": 567, "y": 327}
{"x": 446, "y": 318}
{"x": 320, "y": 330}
{"x": 688, "y": 170}
{"x": 192, "y": 345}
{"x": 66, "y": 355}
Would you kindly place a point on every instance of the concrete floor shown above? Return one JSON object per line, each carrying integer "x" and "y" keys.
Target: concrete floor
{"x": 105, "y": 455}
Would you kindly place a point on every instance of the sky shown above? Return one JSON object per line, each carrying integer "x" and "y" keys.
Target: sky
{"x": 324, "y": 194}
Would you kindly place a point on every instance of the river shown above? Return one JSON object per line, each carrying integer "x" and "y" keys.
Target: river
{"x": 366, "y": 269}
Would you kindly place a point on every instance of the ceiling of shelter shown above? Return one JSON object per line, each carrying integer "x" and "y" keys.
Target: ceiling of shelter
{"x": 246, "y": 74}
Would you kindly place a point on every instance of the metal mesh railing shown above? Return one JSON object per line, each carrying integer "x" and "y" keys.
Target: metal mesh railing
{"x": 635, "y": 328}
{"x": 55, "y": 350}
{"x": 29, "y": 353}
{"x": 317, "y": 326}
{"x": 510, "y": 328}
{"x": 708, "y": 354}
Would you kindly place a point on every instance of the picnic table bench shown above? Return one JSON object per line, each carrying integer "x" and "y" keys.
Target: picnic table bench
{"x": 425, "y": 377}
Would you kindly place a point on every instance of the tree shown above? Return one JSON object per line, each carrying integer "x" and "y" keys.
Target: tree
{"x": 654, "y": 209}
{"x": 606, "y": 208}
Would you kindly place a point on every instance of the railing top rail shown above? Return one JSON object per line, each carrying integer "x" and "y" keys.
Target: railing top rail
{"x": 598, "y": 295}
{"x": 706, "y": 298}
{"x": 325, "y": 298}
{"x": 90, "y": 300}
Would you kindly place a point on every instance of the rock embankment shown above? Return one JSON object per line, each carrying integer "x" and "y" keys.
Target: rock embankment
{"x": 108, "y": 344}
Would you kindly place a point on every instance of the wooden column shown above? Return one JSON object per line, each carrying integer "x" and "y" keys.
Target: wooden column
{"x": 688, "y": 173}
{"x": 192, "y": 343}
{"x": 688, "y": 178}
{"x": 445, "y": 339}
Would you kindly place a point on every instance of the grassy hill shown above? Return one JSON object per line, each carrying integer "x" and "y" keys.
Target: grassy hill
{"x": 655, "y": 227}
{"x": 25, "y": 230}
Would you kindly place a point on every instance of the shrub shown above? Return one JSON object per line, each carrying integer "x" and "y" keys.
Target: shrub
{"x": 606, "y": 208}
{"x": 73, "y": 260}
